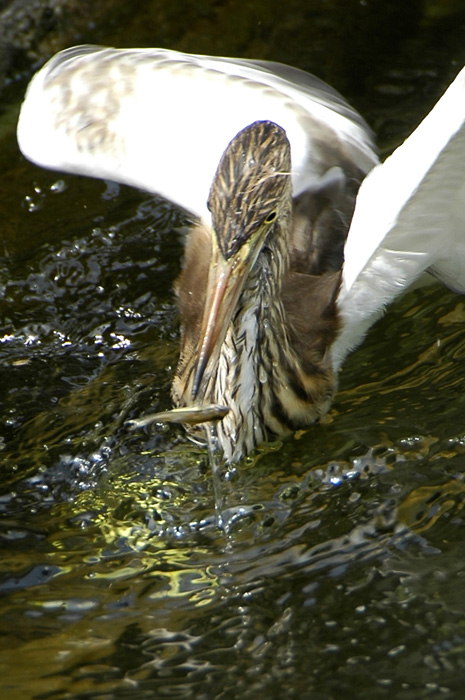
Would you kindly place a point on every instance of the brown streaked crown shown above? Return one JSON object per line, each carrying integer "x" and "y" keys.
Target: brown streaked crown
{"x": 251, "y": 177}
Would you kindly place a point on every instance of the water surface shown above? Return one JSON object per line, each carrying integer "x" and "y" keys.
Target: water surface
{"x": 342, "y": 573}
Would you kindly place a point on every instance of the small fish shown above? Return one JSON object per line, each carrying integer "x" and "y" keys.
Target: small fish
{"x": 192, "y": 415}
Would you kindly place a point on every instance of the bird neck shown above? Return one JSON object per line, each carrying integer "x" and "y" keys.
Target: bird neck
{"x": 250, "y": 358}
{"x": 273, "y": 370}
{"x": 269, "y": 389}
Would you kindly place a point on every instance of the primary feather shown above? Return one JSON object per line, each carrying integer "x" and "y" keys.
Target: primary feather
{"x": 409, "y": 218}
{"x": 161, "y": 120}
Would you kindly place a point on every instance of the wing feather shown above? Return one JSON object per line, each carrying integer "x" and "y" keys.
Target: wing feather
{"x": 408, "y": 218}
{"x": 160, "y": 120}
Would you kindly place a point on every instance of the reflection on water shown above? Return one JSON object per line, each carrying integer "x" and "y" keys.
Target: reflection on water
{"x": 340, "y": 569}
{"x": 336, "y": 568}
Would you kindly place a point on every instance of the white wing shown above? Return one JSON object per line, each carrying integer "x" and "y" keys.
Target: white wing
{"x": 409, "y": 217}
{"x": 160, "y": 120}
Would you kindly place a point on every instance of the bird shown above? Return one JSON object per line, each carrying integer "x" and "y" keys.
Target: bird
{"x": 301, "y": 237}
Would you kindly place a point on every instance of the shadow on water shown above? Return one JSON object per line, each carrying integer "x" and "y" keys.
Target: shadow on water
{"x": 342, "y": 570}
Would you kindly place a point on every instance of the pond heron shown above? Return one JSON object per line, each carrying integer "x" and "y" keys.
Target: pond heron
{"x": 286, "y": 266}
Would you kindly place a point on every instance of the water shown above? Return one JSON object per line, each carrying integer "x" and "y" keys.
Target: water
{"x": 342, "y": 569}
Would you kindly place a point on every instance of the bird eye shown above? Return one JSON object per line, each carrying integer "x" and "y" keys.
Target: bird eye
{"x": 271, "y": 217}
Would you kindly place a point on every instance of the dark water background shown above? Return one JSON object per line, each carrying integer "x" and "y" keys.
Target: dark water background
{"x": 345, "y": 574}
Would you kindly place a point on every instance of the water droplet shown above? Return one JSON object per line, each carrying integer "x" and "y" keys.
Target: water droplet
{"x": 58, "y": 187}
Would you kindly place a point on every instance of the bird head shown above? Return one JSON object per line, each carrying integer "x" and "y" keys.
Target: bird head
{"x": 250, "y": 196}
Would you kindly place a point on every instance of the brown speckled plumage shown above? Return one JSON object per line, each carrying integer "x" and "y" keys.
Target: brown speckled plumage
{"x": 270, "y": 365}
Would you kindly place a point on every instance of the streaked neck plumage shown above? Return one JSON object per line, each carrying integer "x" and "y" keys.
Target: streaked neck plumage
{"x": 258, "y": 368}
{"x": 259, "y": 375}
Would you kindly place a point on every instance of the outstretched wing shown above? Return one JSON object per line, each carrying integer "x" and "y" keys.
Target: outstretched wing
{"x": 409, "y": 217}
{"x": 161, "y": 120}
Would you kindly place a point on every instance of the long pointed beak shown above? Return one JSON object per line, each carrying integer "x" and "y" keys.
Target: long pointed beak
{"x": 225, "y": 283}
